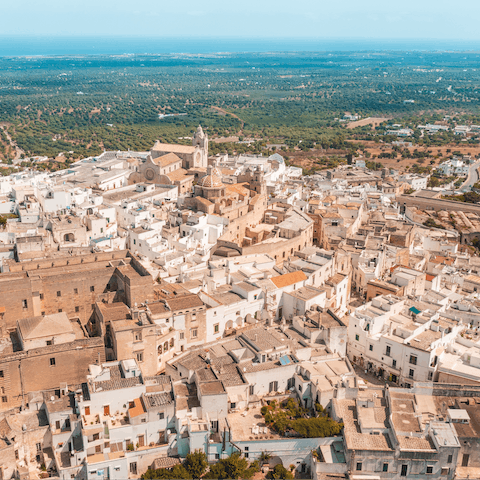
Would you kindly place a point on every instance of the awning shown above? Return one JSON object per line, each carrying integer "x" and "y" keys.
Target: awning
{"x": 416, "y": 311}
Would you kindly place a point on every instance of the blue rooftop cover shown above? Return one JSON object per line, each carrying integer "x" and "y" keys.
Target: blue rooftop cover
{"x": 284, "y": 360}
{"x": 416, "y": 311}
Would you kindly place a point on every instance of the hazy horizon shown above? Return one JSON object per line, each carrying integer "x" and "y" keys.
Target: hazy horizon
{"x": 370, "y": 19}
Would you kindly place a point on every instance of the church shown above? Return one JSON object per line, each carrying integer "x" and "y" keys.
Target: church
{"x": 194, "y": 156}
{"x": 168, "y": 164}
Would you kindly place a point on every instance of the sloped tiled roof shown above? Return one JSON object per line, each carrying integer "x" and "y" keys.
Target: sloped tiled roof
{"x": 289, "y": 279}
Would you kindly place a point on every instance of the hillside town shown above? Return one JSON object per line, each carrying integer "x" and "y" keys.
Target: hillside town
{"x": 156, "y": 304}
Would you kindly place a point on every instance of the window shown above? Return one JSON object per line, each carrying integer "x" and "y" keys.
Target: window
{"x": 300, "y": 387}
{"x": 172, "y": 343}
{"x": 60, "y": 310}
{"x": 217, "y": 456}
{"x": 52, "y": 362}
{"x": 59, "y": 293}
{"x": 255, "y": 297}
{"x": 161, "y": 415}
{"x": 216, "y": 328}
{"x": 165, "y": 346}
{"x": 411, "y": 373}
{"x": 385, "y": 467}
{"x": 24, "y": 304}
{"x": 92, "y": 288}
{"x": 413, "y": 359}
{"x": 39, "y": 447}
{"x": 246, "y": 454}
{"x": 445, "y": 471}
{"x": 160, "y": 350}
{"x": 75, "y": 290}
{"x": 357, "y": 338}
{"x": 140, "y": 357}
{"x": 370, "y": 347}
{"x": 144, "y": 420}
{"x": 394, "y": 363}
{"x": 403, "y": 472}
{"x": 251, "y": 389}
{"x": 4, "y": 399}
{"x": 138, "y": 336}
{"x": 193, "y": 333}
{"x": 182, "y": 335}
{"x": 273, "y": 386}
{"x": 429, "y": 469}
{"x": 16, "y": 455}
{"x": 359, "y": 466}
{"x": 41, "y": 296}
{"x": 388, "y": 350}
{"x": 49, "y": 342}
{"x": 57, "y": 426}
{"x": 1, "y": 373}
{"x": 430, "y": 375}
{"x": 465, "y": 459}
{"x": 233, "y": 405}
{"x": 450, "y": 458}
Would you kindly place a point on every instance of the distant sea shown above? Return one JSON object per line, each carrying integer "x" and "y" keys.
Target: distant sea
{"x": 55, "y": 45}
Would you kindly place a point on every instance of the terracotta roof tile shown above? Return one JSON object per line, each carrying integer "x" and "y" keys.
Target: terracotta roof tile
{"x": 289, "y": 279}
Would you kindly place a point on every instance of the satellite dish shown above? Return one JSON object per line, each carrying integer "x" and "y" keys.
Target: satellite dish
{"x": 52, "y": 398}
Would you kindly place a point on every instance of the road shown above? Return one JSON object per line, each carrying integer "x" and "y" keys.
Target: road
{"x": 472, "y": 178}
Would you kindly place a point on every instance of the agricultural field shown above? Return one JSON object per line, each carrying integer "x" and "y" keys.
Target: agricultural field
{"x": 81, "y": 105}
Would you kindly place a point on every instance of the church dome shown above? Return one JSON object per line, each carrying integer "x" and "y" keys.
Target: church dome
{"x": 211, "y": 179}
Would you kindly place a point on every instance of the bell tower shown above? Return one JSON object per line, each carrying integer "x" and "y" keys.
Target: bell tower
{"x": 200, "y": 141}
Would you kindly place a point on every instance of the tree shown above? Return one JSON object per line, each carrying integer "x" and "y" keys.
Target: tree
{"x": 233, "y": 467}
{"x": 177, "y": 472}
{"x": 196, "y": 464}
{"x": 280, "y": 472}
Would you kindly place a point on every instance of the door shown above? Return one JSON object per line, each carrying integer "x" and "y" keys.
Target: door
{"x": 465, "y": 459}
{"x": 106, "y": 409}
{"x": 141, "y": 440}
{"x": 98, "y": 449}
{"x": 87, "y": 410}
{"x": 133, "y": 468}
{"x": 404, "y": 471}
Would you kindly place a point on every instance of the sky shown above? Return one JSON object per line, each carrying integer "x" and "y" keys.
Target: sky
{"x": 372, "y": 19}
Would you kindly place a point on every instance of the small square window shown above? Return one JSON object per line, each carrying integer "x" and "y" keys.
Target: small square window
{"x": 357, "y": 338}
{"x": 92, "y": 288}
{"x": 217, "y": 456}
{"x": 370, "y": 347}
{"x": 60, "y": 310}
{"x": 359, "y": 466}
{"x": 24, "y": 304}
{"x": 41, "y": 296}
{"x": 59, "y": 293}
{"x": 161, "y": 415}
{"x": 233, "y": 405}
{"x": 52, "y": 362}
{"x": 77, "y": 309}
{"x": 75, "y": 290}
{"x": 216, "y": 328}
{"x": 429, "y": 469}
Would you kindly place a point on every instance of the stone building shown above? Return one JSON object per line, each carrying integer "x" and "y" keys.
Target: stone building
{"x": 193, "y": 156}
{"x": 72, "y": 285}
